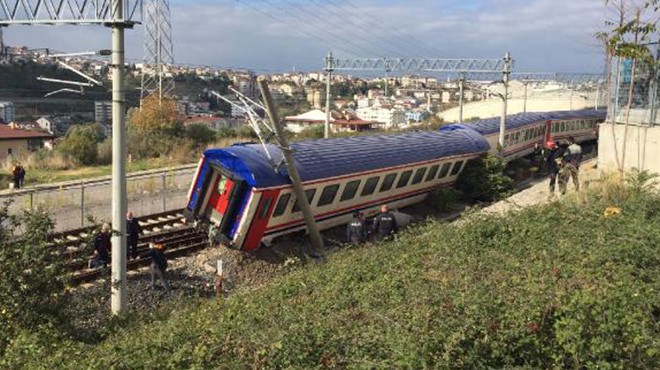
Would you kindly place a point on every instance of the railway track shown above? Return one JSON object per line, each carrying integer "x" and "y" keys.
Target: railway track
{"x": 169, "y": 228}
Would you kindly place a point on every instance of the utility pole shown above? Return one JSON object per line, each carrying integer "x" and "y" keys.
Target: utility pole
{"x": 315, "y": 235}
{"x": 525, "y": 82}
{"x": 461, "y": 86}
{"x": 505, "y": 81}
{"x": 329, "y": 62}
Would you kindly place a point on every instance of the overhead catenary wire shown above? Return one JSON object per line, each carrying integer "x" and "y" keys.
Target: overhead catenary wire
{"x": 377, "y": 23}
{"x": 317, "y": 29}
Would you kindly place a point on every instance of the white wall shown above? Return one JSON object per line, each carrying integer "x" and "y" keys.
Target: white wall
{"x": 642, "y": 147}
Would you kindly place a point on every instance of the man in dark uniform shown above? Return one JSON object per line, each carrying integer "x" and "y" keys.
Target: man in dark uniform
{"x": 158, "y": 264}
{"x": 356, "y": 231}
{"x": 551, "y": 154}
{"x": 384, "y": 224}
{"x": 133, "y": 231}
{"x": 102, "y": 247}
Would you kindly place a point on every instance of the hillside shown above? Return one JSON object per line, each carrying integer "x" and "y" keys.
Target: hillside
{"x": 572, "y": 284}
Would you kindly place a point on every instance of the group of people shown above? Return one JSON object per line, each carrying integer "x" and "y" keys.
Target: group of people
{"x": 18, "y": 175}
{"x": 156, "y": 252}
{"x": 562, "y": 163}
{"x": 384, "y": 225}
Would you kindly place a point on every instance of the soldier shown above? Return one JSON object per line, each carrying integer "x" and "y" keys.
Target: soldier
{"x": 384, "y": 224}
{"x": 356, "y": 232}
{"x": 571, "y": 165}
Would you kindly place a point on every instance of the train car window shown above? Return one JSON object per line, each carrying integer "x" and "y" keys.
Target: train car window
{"x": 506, "y": 142}
{"x": 328, "y": 195}
{"x": 265, "y": 204}
{"x": 562, "y": 127}
{"x": 432, "y": 172}
{"x": 349, "y": 190}
{"x": 445, "y": 170}
{"x": 370, "y": 186}
{"x": 518, "y": 134}
{"x": 309, "y": 194}
{"x": 457, "y": 168}
{"x": 419, "y": 175}
{"x": 555, "y": 126}
{"x": 403, "y": 180}
{"x": 280, "y": 207}
{"x": 388, "y": 181}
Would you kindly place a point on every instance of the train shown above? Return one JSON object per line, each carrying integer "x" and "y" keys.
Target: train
{"x": 245, "y": 192}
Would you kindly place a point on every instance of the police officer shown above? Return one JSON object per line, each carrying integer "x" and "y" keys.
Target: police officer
{"x": 356, "y": 232}
{"x": 571, "y": 162}
{"x": 385, "y": 223}
{"x": 133, "y": 231}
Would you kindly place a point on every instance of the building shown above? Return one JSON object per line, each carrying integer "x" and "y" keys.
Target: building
{"x": 215, "y": 123}
{"x": 7, "y": 112}
{"x": 103, "y": 112}
{"x": 17, "y": 142}
{"x": 339, "y": 122}
{"x": 56, "y": 126}
{"x": 390, "y": 118}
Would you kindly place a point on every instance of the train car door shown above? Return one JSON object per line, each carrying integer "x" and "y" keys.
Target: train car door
{"x": 224, "y": 198}
{"x": 548, "y": 132}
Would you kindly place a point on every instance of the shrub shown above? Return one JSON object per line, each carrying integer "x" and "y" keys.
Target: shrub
{"x": 483, "y": 180}
{"x": 32, "y": 276}
{"x": 445, "y": 199}
{"x": 201, "y": 135}
{"x": 80, "y": 143}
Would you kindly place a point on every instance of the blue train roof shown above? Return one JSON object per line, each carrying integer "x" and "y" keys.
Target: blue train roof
{"x": 491, "y": 125}
{"x": 318, "y": 159}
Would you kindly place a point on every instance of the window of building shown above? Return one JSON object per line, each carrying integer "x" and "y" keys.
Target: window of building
{"x": 445, "y": 170}
{"x": 387, "y": 182}
{"x": 9, "y": 151}
{"x": 370, "y": 186}
{"x": 419, "y": 175}
{"x": 328, "y": 195}
{"x": 457, "y": 168}
{"x": 281, "y": 204}
{"x": 309, "y": 194}
{"x": 349, "y": 190}
{"x": 432, "y": 172}
{"x": 403, "y": 180}
{"x": 265, "y": 204}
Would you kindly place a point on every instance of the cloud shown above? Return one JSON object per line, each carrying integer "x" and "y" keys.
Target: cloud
{"x": 268, "y": 35}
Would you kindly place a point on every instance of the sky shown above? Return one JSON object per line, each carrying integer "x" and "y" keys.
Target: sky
{"x": 282, "y": 35}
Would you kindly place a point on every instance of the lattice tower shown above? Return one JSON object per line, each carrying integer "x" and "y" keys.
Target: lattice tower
{"x": 158, "y": 49}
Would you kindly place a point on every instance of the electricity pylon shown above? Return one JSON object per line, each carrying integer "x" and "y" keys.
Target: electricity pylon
{"x": 158, "y": 49}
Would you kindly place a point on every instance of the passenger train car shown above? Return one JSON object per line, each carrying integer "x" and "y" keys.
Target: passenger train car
{"x": 250, "y": 201}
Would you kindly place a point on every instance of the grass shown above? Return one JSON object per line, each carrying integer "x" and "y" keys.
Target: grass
{"x": 567, "y": 285}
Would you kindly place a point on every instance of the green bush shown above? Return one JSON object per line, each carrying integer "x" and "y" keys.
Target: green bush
{"x": 201, "y": 135}
{"x": 445, "y": 199}
{"x": 483, "y": 180}
{"x": 32, "y": 277}
{"x": 80, "y": 143}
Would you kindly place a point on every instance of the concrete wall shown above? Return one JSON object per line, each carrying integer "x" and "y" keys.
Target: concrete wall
{"x": 17, "y": 146}
{"x": 642, "y": 147}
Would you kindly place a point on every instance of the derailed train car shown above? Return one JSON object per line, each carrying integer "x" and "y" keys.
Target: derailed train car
{"x": 250, "y": 202}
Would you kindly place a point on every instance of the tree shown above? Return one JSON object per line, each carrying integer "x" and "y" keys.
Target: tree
{"x": 80, "y": 143}
{"x": 200, "y": 134}
{"x": 32, "y": 276}
{"x": 156, "y": 115}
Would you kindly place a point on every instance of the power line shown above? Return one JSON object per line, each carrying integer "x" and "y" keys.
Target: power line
{"x": 301, "y": 30}
{"x": 377, "y": 23}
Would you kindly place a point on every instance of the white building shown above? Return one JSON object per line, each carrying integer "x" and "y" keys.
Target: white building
{"x": 103, "y": 112}
{"x": 57, "y": 126}
{"x": 389, "y": 117}
{"x": 7, "y": 111}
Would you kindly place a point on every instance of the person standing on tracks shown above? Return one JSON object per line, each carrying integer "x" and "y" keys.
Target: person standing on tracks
{"x": 158, "y": 264}
{"x": 550, "y": 154}
{"x": 133, "y": 231}
{"x": 571, "y": 165}
{"x": 384, "y": 224}
{"x": 102, "y": 247}
{"x": 356, "y": 231}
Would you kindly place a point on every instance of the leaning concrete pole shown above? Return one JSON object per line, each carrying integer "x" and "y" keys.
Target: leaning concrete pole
{"x": 118, "y": 278}
{"x": 328, "y": 84}
{"x": 317, "y": 241}
{"x": 461, "y": 87}
{"x": 505, "y": 80}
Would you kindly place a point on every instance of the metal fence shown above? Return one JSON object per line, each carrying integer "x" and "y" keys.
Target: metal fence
{"x": 635, "y": 92}
{"x": 72, "y": 203}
